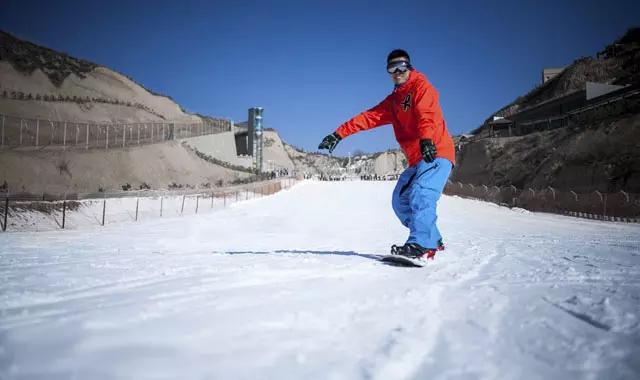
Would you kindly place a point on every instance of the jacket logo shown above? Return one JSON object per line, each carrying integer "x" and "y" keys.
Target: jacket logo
{"x": 406, "y": 103}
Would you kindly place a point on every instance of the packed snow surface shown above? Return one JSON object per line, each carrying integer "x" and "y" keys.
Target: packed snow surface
{"x": 289, "y": 287}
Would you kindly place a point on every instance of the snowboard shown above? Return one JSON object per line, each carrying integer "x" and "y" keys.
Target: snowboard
{"x": 402, "y": 261}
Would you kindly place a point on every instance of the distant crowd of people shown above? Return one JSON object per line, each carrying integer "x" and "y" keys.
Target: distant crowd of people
{"x": 278, "y": 173}
{"x": 388, "y": 177}
{"x": 393, "y": 177}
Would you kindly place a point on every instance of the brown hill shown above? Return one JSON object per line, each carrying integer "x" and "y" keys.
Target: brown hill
{"x": 597, "y": 149}
{"x": 618, "y": 63}
{"x": 604, "y": 156}
{"x": 38, "y": 82}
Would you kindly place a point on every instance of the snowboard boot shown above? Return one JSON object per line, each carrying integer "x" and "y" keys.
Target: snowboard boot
{"x": 413, "y": 251}
{"x": 440, "y": 245}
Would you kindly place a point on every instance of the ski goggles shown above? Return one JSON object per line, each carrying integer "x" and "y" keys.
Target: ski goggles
{"x": 398, "y": 66}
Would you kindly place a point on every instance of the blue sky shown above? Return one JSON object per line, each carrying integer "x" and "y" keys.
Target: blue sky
{"x": 314, "y": 64}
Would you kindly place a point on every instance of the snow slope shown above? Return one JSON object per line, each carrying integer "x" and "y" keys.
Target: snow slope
{"x": 288, "y": 286}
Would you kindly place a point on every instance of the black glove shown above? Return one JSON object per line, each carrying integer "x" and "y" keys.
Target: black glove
{"x": 330, "y": 142}
{"x": 428, "y": 149}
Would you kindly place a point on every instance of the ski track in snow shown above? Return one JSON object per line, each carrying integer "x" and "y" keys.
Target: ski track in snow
{"x": 289, "y": 286}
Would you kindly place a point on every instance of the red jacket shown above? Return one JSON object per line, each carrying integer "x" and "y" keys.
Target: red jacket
{"x": 415, "y": 113}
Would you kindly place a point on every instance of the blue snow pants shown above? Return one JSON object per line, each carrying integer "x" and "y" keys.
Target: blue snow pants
{"x": 415, "y": 197}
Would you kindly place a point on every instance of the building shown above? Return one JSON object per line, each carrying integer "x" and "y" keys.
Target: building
{"x": 557, "y": 112}
{"x": 255, "y": 136}
{"x": 248, "y": 136}
{"x": 550, "y": 73}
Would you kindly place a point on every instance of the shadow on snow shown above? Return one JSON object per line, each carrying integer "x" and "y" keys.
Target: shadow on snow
{"x": 307, "y": 252}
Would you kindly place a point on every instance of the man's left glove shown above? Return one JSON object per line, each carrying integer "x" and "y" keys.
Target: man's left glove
{"x": 428, "y": 149}
{"x": 330, "y": 142}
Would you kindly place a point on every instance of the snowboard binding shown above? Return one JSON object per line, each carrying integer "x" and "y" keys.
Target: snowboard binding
{"x": 414, "y": 251}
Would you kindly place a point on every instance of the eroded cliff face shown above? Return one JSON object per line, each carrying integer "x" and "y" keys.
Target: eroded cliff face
{"x": 604, "y": 156}
{"x": 618, "y": 63}
{"x": 38, "y": 82}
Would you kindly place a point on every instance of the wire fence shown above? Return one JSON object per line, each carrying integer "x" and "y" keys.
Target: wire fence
{"x": 25, "y": 211}
{"x": 618, "y": 207}
{"x": 17, "y": 132}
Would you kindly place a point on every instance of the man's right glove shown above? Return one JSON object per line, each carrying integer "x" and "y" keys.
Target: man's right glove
{"x": 330, "y": 142}
{"x": 428, "y": 149}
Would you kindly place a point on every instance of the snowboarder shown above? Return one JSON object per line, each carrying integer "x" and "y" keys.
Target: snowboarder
{"x": 414, "y": 111}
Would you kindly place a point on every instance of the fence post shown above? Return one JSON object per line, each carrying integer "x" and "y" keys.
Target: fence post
{"x": 87, "y": 145}
{"x": 625, "y": 195}
{"x": 183, "y": 197}
{"x": 124, "y": 134}
{"x": 137, "y": 203}
{"x": 161, "y": 201}
{"x": 552, "y": 192}
{"x": 138, "y": 133}
{"x": 77, "y": 133}
{"x": 2, "y": 136}
{"x": 197, "y": 202}
{"x": 599, "y": 194}
{"x": 104, "y": 207}
{"x": 575, "y": 196}
{"x": 37, "y": 131}
{"x": 64, "y": 210}
{"x": 107, "y": 142}
{"x": 601, "y": 199}
{"x": 212, "y": 195}
{"x": 6, "y": 213}
{"x": 20, "y": 132}
{"x": 64, "y": 136}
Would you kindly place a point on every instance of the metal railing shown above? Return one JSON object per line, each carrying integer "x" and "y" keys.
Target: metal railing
{"x": 114, "y": 207}
{"x": 624, "y": 101}
{"x": 17, "y": 132}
